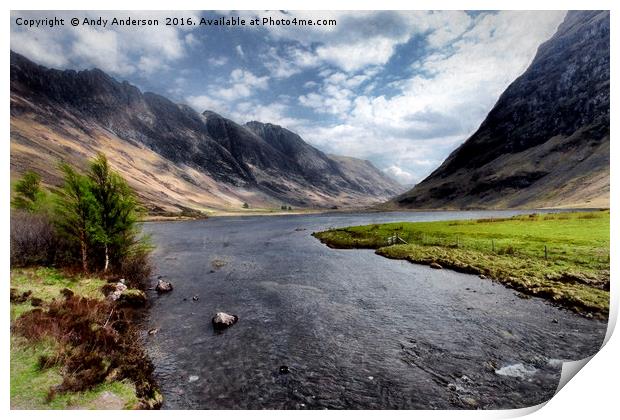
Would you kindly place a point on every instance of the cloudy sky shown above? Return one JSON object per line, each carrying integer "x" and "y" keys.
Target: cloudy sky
{"x": 402, "y": 89}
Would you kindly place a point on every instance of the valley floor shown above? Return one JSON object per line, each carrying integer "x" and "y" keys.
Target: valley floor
{"x": 562, "y": 257}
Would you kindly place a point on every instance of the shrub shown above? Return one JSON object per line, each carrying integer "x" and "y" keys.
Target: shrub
{"x": 34, "y": 239}
{"x": 135, "y": 266}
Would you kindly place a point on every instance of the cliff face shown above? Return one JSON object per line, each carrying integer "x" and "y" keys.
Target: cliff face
{"x": 174, "y": 156}
{"x": 546, "y": 141}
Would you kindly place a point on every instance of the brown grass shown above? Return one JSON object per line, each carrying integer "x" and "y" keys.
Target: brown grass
{"x": 97, "y": 342}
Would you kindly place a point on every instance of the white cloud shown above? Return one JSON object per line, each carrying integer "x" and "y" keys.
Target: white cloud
{"x": 356, "y": 56}
{"x": 239, "y": 50}
{"x": 400, "y": 174}
{"x": 119, "y": 50}
{"x": 203, "y": 103}
{"x": 223, "y": 96}
{"x": 217, "y": 61}
{"x": 191, "y": 40}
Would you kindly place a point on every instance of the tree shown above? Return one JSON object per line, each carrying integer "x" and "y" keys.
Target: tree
{"x": 246, "y": 206}
{"x": 76, "y": 210}
{"x": 28, "y": 193}
{"x": 117, "y": 210}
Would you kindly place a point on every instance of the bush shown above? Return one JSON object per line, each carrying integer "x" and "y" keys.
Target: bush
{"x": 135, "y": 266}
{"x": 35, "y": 241}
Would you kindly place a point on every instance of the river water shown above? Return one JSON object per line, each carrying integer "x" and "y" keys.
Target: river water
{"x": 354, "y": 329}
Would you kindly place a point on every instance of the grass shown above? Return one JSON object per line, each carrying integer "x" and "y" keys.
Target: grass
{"x": 46, "y": 284}
{"x": 30, "y": 383}
{"x": 563, "y": 257}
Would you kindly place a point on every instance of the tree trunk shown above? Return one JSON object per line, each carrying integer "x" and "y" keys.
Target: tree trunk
{"x": 84, "y": 253}
{"x": 107, "y": 259}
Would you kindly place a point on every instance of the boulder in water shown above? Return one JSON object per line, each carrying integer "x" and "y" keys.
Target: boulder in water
{"x": 222, "y": 320}
{"x": 163, "y": 286}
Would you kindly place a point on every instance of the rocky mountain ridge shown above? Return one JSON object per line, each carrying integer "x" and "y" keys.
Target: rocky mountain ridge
{"x": 175, "y": 157}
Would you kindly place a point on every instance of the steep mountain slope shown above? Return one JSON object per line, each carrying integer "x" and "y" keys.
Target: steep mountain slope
{"x": 174, "y": 156}
{"x": 546, "y": 141}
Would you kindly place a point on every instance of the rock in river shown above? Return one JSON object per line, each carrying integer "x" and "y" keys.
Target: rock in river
{"x": 436, "y": 266}
{"x": 223, "y": 320}
{"x": 163, "y": 286}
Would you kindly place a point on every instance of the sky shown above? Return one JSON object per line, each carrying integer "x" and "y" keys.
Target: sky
{"x": 401, "y": 89}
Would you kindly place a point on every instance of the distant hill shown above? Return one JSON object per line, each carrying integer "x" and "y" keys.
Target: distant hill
{"x": 546, "y": 141}
{"x": 173, "y": 156}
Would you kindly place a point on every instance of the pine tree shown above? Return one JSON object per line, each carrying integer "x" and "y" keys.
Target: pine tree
{"x": 28, "y": 193}
{"x": 116, "y": 210}
{"x": 76, "y": 210}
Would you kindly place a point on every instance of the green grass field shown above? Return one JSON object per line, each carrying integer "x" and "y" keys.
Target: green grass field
{"x": 30, "y": 383}
{"x": 563, "y": 257}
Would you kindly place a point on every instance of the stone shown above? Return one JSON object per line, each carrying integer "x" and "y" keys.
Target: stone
{"x": 163, "y": 286}
{"x": 436, "y": 266}
{"x": 118, "y": 290}
{"x": 223, "y": 320}
{"x": 132, "y": 298}
{"x": 283, "y": 370}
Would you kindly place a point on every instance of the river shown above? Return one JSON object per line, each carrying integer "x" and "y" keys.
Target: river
{"x": 354, "y": 329}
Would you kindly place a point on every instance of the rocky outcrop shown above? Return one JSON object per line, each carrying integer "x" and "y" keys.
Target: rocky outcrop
{"x": 546, "y": 141}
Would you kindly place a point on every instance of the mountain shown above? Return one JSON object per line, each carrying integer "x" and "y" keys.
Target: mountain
{"x": 176, "y": 158}
{"x": 546, "y": 141}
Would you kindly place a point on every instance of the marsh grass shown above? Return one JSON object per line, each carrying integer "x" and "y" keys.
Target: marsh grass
{"x": 563, "y": 257}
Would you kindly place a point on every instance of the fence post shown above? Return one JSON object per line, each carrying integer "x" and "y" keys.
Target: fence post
{"x": 545, "y": 251}
{"x": 493, "y": 245}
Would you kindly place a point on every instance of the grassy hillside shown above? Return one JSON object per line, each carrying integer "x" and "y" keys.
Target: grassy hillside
{"x": 563, "y": 257}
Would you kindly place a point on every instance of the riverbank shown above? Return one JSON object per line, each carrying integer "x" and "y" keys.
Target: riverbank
{"x": 171, "y": 217}
{"x": 562, "y": 257}
{"x": 73, "y": 349}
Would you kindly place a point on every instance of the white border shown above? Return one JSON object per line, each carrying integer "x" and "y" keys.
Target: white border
{"x": 591, "y": 395}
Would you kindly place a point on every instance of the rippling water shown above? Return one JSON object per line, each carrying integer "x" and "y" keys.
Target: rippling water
{"x": 355, "y": 330}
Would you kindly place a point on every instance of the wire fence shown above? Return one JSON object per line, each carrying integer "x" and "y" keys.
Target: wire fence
{"x": 506, "y": 246}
